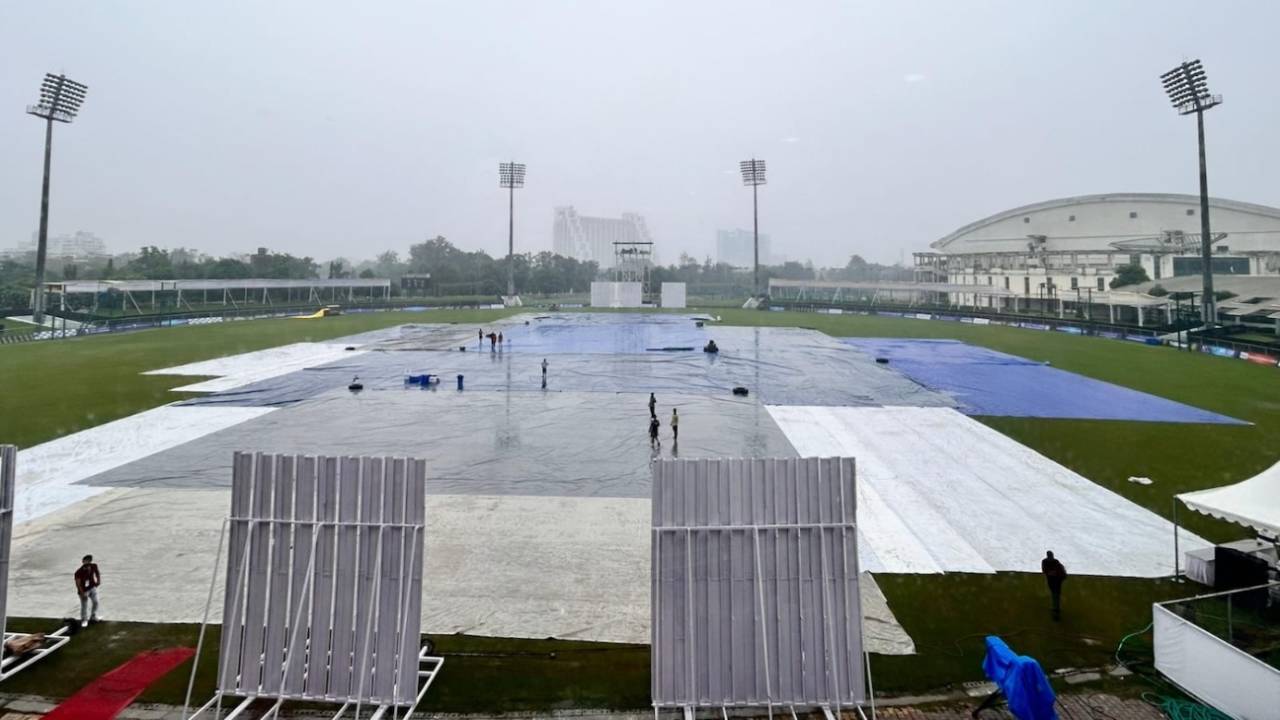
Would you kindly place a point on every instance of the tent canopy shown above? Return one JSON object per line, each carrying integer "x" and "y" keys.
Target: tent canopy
{"x": 1254, "y": 502}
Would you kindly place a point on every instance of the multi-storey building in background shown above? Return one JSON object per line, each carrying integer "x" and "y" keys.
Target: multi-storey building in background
{"x": 591, "y": 239}
{"x": 737, "y": 248}
{"x": 81, "y": 245}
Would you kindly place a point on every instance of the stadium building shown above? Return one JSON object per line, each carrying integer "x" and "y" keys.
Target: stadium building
{"x": 79, "y": 246}
{"x": 591, "y": 239}
{"x": 1058, "y": 247}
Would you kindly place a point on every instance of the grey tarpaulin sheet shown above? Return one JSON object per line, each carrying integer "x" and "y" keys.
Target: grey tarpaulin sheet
{"x": 521, "y": 443}
{"x": 755, "y": 582}
{"x": 783, "y": 366}
{"x": 532, "y": 554}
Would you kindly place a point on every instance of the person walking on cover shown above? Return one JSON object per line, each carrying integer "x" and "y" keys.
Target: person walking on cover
{"x": 1054, "y": 575}
{"x": 653, "y": 432}
{"x": 675, "y": 425}
{"x": 653, "y": 406}
{"x": 87, "y": 581}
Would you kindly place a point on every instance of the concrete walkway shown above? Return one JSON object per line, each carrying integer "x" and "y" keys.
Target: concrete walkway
{"x": 1093, "y": 706}
{"x": 1108, "y": 707}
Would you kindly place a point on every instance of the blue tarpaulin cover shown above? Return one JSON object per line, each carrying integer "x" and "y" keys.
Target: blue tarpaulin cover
{"x": 986, "y": 382}
{"x": 1020, "y": 678}
{"x": 604, "y": 353}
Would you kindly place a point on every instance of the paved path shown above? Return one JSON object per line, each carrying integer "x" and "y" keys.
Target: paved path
{"x": 1070, "y": 707}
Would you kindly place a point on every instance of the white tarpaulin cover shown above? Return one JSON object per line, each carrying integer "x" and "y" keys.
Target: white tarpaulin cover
{"x": 49, "y": 474}
{"x": 236, "y": 370}
{"x": 940, "y": 492}
{"x": 1226, "y": 678}
{"x": 1254, "y": 502}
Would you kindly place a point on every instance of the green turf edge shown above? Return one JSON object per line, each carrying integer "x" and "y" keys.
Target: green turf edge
{"x": 65, "y": 386}
{"x": 480, "y": 674}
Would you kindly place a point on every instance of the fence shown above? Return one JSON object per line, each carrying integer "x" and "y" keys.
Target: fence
{"x": 73, "y": 329}
{"x": 1224, "y": 648}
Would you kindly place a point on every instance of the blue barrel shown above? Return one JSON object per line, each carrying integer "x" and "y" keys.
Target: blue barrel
{"x": 459, "y": 382}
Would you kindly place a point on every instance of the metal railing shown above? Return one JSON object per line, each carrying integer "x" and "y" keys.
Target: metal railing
{"x": 72, "y": 329}
{"x": 948, "y": 312}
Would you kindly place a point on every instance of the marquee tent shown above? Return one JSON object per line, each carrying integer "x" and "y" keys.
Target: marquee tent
{"x": 1254, "y": 502}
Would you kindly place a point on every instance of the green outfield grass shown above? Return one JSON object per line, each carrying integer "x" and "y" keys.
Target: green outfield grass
{"x": 480, "y": 674}
{"x": 66, "y": 386}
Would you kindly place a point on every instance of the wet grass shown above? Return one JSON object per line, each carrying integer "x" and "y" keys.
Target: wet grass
{"x": 480, "y": 674}
{"x": 54, "y": 388}
{"x": 948, "y": 616}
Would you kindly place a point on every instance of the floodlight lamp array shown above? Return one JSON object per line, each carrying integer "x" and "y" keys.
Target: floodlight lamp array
{"x": 511, "y": 175}
{"x": 1188, "y": 88}
{"x": 753, "y": 172}
{"x": 60, "y": 98}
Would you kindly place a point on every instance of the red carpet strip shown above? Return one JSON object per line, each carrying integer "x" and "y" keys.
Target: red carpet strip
{"x": 106, "y": 696}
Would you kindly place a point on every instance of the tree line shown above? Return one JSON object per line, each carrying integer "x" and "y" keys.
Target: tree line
{"x": 453, "y": 271}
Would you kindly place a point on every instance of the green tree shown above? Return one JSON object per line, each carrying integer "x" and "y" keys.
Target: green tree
{"x": 16, "y": 281}
{"x": 856, "y": 269}
{"x": 226, "y": 269}
{"x": 152, "y": 263}
{"x": 1129, "y": 275}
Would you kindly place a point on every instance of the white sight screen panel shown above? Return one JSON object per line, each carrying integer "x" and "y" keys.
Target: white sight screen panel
{"x": 755, "y": 584}
{"x": 335, "y": 544}
{"x": 673, "y": 295}
{"x": 8, "y": 466}
{"x": 617, "y": 294}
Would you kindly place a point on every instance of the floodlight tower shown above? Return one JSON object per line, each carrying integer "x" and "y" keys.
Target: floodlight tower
{"x": 753, "y": 175}
{"x": 60, "y": 100}
{"x": 1188, "y": 90}
{"x": 511, "y": 176}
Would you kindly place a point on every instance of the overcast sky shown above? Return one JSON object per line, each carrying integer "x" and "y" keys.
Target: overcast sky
{"x": 345, "y": 129}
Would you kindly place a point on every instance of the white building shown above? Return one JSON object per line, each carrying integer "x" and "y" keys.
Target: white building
{"x": 737, "y": 248}
{"x": 79, "y": 246}
{"x": 1058, "y": 247}
{"x": 591, "y": 239}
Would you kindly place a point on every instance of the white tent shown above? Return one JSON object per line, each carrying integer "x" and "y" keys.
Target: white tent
{"x": 1254, "y": 502}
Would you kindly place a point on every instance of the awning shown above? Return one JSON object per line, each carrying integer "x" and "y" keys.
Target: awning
{"x": 1239, "y": 310}
{"x": 1254, "y": 502}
